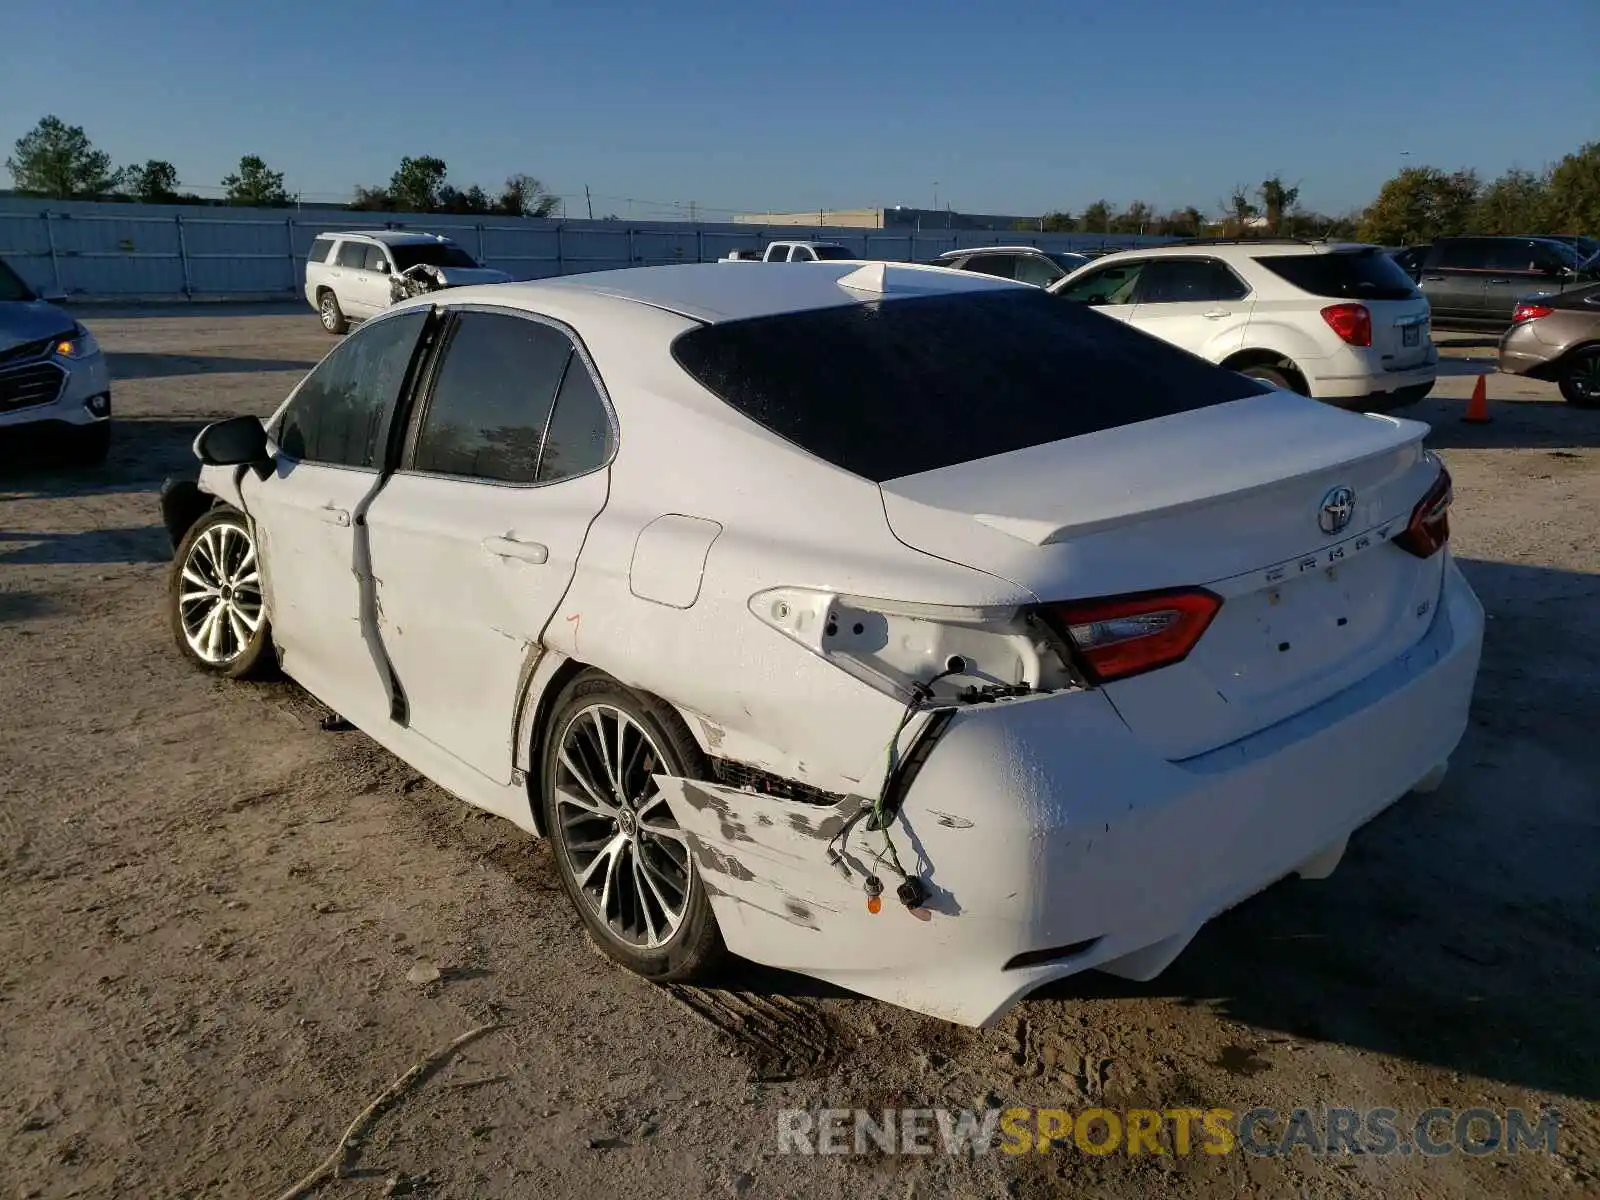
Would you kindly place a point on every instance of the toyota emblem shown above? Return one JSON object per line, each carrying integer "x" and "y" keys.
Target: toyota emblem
{"x": 1338, "y": 506}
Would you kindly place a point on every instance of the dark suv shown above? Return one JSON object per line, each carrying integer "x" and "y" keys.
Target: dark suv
{"x": 1478, "y": 280}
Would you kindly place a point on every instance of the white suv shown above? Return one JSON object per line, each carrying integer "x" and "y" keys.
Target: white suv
{"x": 360, "y": 274}
{"x": 1338, "y": 322}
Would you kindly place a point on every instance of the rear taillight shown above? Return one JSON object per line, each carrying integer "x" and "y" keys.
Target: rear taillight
{"x": 1352, "y": 322}
{"x": 1530, "y": 312}
{"x": 1429, "y": 527}
{"x": 1121, "y": 636}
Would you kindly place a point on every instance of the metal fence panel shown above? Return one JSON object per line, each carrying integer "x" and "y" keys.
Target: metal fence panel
{"x": 94, "y": 249}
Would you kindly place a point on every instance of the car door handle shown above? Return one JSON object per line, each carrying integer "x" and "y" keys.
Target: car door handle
{"x": 1434, "y": 278}
{"x": 510, "y": 547}
{"x": 1216, "y": 314}
{"x": 334, "y": 515}
{"x": 1499, "y": 281}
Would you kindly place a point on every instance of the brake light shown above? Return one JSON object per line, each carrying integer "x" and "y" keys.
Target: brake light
{"x": 1530, "y": 312}
{"x": 1429, "y": 527}
{"x": 1352, "y": 322}
{"x": 1120, "y": 636}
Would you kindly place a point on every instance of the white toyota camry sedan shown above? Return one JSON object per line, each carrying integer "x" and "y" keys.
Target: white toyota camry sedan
{"x": 907, "y": 628}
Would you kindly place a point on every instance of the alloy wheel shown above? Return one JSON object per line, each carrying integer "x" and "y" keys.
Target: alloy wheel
{"x": 219, "y": 597}
{"x": 630, "y": 860}
{"x": 330, "y": 319}
{"x": 1586, "y": 379}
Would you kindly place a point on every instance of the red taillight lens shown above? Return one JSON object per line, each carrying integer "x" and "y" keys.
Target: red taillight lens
{"x": 1127, "y": 635}
{"x": 1352, "y": 322}
{"x": 1429, "y": 527}
{"x": 1530, "y": 312}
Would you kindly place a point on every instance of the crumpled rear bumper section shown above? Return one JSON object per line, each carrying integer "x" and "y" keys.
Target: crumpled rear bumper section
{"x": 1052, "y": 841}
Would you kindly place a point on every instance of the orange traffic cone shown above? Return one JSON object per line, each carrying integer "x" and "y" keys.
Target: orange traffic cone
{"x": 1478, "y": 407}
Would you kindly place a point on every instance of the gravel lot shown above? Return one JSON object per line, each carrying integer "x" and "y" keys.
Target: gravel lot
{"x": 211, "y": 907}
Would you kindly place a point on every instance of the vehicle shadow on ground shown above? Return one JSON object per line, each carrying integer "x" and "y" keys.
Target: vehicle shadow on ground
{"x": 144, "y": 451}
{"x": 92, "y": 311}
{"x": 1513, "y": 424}
{"x": 26, "y": 606}
{"x": 140, "y": 365}
{"x": 135, "y": 544}
{"x": 1460, "y": 929}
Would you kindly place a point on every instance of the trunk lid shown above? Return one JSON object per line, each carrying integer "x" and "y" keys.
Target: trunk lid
{"x": 1228, "y": 497}
{"x": 1400, "y": 332}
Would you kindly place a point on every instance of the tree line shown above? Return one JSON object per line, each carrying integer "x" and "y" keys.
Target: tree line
{"x": 1417, "y": 205}
{"x": 58, "y": 160}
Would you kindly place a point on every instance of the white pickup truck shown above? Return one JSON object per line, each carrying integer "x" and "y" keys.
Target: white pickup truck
{"x": 795, "y": 252}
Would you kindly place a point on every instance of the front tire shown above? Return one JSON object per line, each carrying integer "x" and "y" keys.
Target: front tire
{"x": 333, "y": 318}
{"x": 1580, "y": 379}
{"x": 215, "y": 604}
{"x": 624, "y": 863}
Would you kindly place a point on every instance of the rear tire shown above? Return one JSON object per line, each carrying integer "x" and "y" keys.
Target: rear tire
{"x": 214, "y": 594}
{"x": 1580, "y": 379}
{"x": 1276, "y": 376}
{"x": 623, "y": 862}
{"x": 333, "y": 318}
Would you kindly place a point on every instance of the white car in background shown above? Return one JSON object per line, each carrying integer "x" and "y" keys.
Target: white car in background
{"x": 358, "y": 275}
{"x": 738, "y": 587}
{"x": 1342, "y": 323}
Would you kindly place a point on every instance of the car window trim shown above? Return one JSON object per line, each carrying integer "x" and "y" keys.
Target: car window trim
{"x": 424, "y": 400}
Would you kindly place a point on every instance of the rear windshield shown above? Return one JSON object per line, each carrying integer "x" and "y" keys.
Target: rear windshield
{"x": 832, "y": 253}
{"x": 319, "y": 250}
{"x": 1068, "y": 261}
{"x": 1344, "y": 274}
{"x": 894, "y": 387}
{"x": 435, "y": 254}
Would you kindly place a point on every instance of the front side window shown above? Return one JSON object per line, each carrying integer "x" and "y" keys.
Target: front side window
{"x": 353, "y": 255}
{"x": 376, "y": 260}
{"x": 832, "y": 254}
{"x": 801, "y": 254}
{"x": 1109, "y": 285}
{"x": 1036, "y": 269}
{"x": 1464, "y": 254}
{"x": 492, "y": 398}
{"x": 338, "y": 414}
{"x": 11, "y": 286}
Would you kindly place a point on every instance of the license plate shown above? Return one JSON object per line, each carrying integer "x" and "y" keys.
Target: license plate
{"x": 1411, "y": 335}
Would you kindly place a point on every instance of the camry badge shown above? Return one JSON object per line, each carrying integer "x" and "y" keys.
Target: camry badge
{"x": 1338, "y": 506}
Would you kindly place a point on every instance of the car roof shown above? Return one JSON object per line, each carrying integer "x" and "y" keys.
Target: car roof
{"x": 717, "y": 292}
{"x": 1249, "y": 248}
{"x": 388, "y": 237}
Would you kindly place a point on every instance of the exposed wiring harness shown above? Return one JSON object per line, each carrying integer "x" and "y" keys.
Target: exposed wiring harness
{"x": 911, "y": 890}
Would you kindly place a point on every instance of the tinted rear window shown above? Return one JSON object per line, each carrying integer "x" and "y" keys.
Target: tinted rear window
{"x": 319, "y": 250}
{"x": 1344, "y": 274}
{"x": 894, "y": 387}
{"x": 832, "y": 253}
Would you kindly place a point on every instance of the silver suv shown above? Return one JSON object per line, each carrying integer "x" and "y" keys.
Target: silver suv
{"x": 53, "y": 378}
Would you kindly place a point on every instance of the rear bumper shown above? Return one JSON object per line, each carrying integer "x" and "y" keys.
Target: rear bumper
{"x": 1045, "y": 829}
{"x": 1523, "y": 352}
{"x": 1372, "y": 388}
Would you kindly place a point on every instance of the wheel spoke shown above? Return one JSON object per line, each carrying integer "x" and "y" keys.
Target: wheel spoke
{"x": 250, "y": 616}
{"x": 600, "y": 802}
{"x": 606, "y": 855}
{"x": 197, "y": 579}
{"x": 644, "y": 891}
{"x": 241, "y": 634}
{"x": 600, "y": 746}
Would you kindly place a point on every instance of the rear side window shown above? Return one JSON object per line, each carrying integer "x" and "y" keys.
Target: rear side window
{"x": 1001, "y": 266}
{"x": 1469, "y": 254}
{"x": 492, "y": 398}
{"x": 895, "y": 387}
{"x": 1345, "y": 274}
{"x": 1185, "y": 280}
{"x": 319, "y": 250}
{"x": 337, "y": 416}
{"x": 353, "y": 254}
{"x": 579, "y": 437}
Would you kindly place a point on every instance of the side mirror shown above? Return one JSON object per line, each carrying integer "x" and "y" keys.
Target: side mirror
{"x": 238, "y": 441}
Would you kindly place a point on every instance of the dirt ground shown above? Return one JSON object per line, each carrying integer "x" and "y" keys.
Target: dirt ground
{"x": 211, "y": 907}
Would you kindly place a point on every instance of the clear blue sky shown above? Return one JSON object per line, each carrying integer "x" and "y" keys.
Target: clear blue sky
{"x": 1010, "y": 107}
